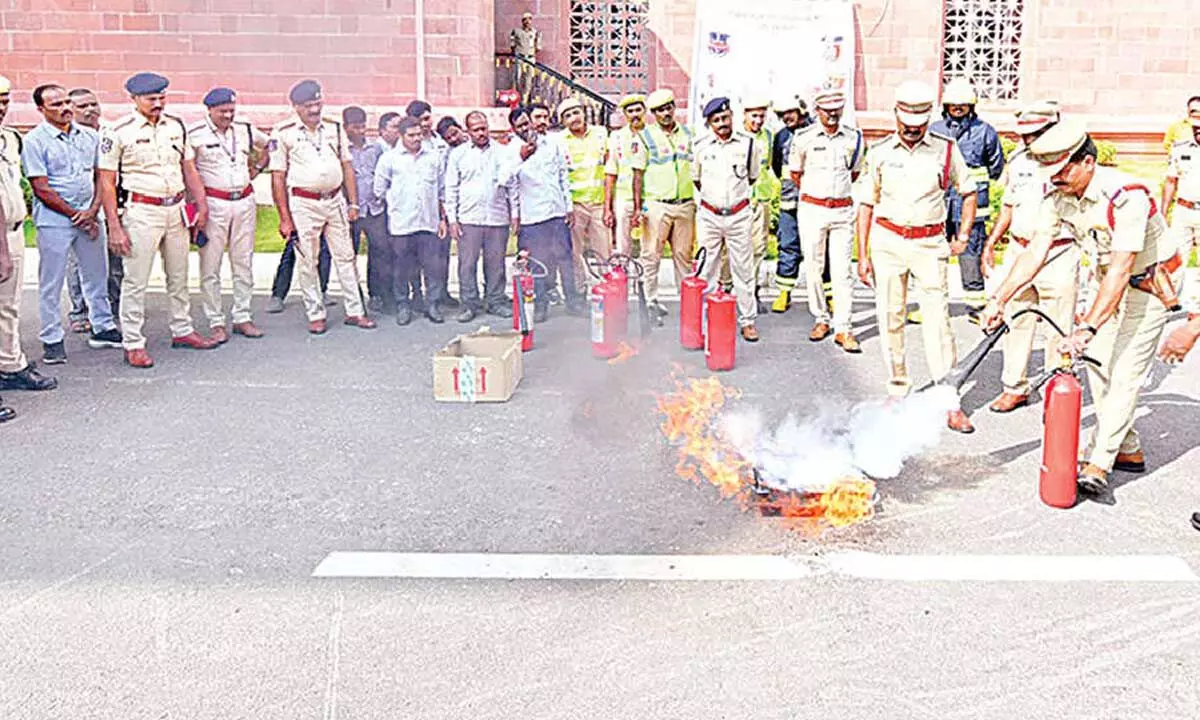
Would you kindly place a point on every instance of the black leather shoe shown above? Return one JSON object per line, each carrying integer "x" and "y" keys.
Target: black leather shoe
{"x": 504, "y": 311}
{"x": 403, "y": 315}
{"x": 7, "y": 413}
{"x": 27, "y": 379}
{"x": 466, "y": 316}
{"x": 1195, "y": 518}
{"x": 541, "y": 313}
{"x": 434, "y": 313}
{"x": 449, "y": 302}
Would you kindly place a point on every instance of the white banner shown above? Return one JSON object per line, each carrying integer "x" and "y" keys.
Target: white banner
{"x": 772, "y": 48}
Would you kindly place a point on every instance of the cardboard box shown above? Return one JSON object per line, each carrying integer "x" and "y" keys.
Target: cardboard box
{"x": 484, "y": 366}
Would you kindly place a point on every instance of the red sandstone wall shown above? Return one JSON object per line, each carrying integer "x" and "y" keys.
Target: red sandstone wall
{"x": 363, "y": 51}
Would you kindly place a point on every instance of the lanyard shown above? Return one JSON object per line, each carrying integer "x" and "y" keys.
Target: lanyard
{"x": 316, "y": 144}
{"x": 231, "y": 152}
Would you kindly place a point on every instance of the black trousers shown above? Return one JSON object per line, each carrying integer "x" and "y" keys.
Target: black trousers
{"x": 419, "y": 252}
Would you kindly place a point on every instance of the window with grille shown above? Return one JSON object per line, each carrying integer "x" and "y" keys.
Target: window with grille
{"x": 608, "y": 45}
{"x": 982, "y": 41}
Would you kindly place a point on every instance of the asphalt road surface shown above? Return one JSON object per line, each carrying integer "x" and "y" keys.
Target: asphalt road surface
{"x": 160, "y": 531}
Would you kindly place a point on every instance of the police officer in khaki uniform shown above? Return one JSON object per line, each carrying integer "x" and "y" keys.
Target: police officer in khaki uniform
{"x": 224, "y": 150}
{"x": 901, "y": 235}
{"x": 826, "y": 159}
{"x": 1116, "y": 220}
{"x": 663, "y": 193}
{"x": 624, "y": 144}
{"x": 1056, "y": 286}
{"x": 16, "y": 372}
{"x": 149, "y": 150}
{"x": 1182, "y": 188}
{"x": 724, "y": 172}
{"x": 310, "y": 166}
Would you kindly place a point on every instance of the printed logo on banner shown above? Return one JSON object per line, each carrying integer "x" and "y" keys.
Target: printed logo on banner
{"x": 718, "y": 44}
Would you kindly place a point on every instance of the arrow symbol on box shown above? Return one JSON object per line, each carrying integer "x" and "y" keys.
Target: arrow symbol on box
{"x": 455, "y": 373}
{"x": 483, "y": 379}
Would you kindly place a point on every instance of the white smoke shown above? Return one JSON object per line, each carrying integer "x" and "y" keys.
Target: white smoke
{"x": 871, "y": 438}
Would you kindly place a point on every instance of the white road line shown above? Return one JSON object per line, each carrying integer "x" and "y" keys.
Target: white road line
{"x": 900, "y": 568}
{"x": 560, "y": 567}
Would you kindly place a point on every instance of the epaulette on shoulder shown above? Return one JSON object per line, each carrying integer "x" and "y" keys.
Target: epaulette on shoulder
{"x": 123, "y": 123}
{"x": 283, "y": 125}
{"x": 940, "y": 136}
{"x": 179, "y": 121}
{"x": 338, "y": 123}
{"x": 1182, "y": 143}
{"x": 887, "y": 139}
{"x": 196, "y": 127}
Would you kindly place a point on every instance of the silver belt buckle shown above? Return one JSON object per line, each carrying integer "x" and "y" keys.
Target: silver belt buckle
{"x": 235, "y": 195}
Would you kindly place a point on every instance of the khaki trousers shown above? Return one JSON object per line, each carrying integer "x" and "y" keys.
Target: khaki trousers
{"x": 12, "y": 359}
{"x": 730, "y": 236}
{"x": 624, "y": 217}
{"x": 828, "y": 230}
{"x": 154, "y": 229}
{"x": 230, "y": 229}
{"x": 1125, "y": 347}
{"x": 1054, "y": 291}
{"x": 312, "y": 217}
{"x": 1185, "y": 223}
{"x": 760, "y": 231}
{"x": 925, "y": 262}
{"x": 588, "y": 233}
{"x": 668, "y": 222}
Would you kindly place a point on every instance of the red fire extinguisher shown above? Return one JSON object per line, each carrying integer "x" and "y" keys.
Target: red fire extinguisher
{"x": 1060, "y": 438}
{"x": 523, "y": 296}
{"x": 720, "y": 342}
{"x": 691, "y": 306}
{"x": 609, "y": 301}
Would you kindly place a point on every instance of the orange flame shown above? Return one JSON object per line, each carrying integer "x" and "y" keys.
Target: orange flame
{"x": 624, "y": 352}
{"x": 703, "y": 455}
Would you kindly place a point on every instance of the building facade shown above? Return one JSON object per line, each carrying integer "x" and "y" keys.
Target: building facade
{"x": 1127, "y": 65}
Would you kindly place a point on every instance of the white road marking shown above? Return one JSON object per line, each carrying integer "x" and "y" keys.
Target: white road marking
{"x": 900, "y": 568}
{"x": 333, "y": 654}
{"x": 560, "y": 567}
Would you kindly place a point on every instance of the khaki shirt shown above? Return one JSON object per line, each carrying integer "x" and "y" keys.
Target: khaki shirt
{"x": 12, "y": 198}
{"x": 1024, "y": 189}
{"x": 309, "y": 160}
{"x": 623, "y": 146}
{"x": 1185, "y": 165}
{"x": 826, "y": 162}
{"x": 223, "y": 159}
{"x": 906, "y": 186}
{"x": 1136, "y": 226}
{"x": 147, "y": 157}
{"x": 725, "y": 171}
{"x": 524, "y": 42}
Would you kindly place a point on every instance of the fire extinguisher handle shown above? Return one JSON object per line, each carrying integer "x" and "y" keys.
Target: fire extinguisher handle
{"x": 592, "y": 260}
{"x": 698, "y": 263}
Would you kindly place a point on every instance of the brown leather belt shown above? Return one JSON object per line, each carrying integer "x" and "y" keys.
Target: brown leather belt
{"x": 1024, "y": 242}
{"x": 152, "y": 200}
{"x": 912, "y": 232}
{"x": 1187, "y": 204}
{"x": 827, "y": 202}
{"x": 227, "y": 195}
{"x": 313, "y": 195}
{"x": 727, "y": 212}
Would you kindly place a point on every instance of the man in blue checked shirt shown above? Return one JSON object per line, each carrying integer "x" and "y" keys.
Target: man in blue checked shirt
{"x": 409, "y": 178}
{"x": 60, "y": 161}
{"x": 536, "y": 169}
{"x": 480, "y": 212}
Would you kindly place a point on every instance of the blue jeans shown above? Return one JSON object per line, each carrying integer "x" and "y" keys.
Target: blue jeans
{"x": 54, "y": 245}
{"x": 550, "y": 242}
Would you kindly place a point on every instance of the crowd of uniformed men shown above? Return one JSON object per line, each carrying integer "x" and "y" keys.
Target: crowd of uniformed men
{"x": 107, "y": 199}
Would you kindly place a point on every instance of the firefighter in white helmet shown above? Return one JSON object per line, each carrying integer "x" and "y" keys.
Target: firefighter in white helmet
{"x": 980, "y": 146}
{"x": 790, "y": 110}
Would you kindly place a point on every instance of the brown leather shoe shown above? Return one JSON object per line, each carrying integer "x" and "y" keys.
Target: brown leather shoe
{"x": 193, "y": 340}
{"x": 1134, "y": 462}
{"x": 219, "y": 335}
{"x": 317, "y": 327}
{"x": 247, "y": 329}
{"x": 360, "y": 321}
{"x": 847, "y": 342}
{"x": 750, "y": 333}
{"x": 1007, "y": 402}
{"x": 819, "y": 332}
{"x": 1092, "y": 479}
{"x": 139, "y": 358}
{"x": 958, "y": 421}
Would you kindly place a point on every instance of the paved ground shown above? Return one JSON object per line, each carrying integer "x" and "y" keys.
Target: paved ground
{"x": 159, "y": 531}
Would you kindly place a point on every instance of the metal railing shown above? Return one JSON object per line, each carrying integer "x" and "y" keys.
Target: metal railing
{"x": 535, "y": 82}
